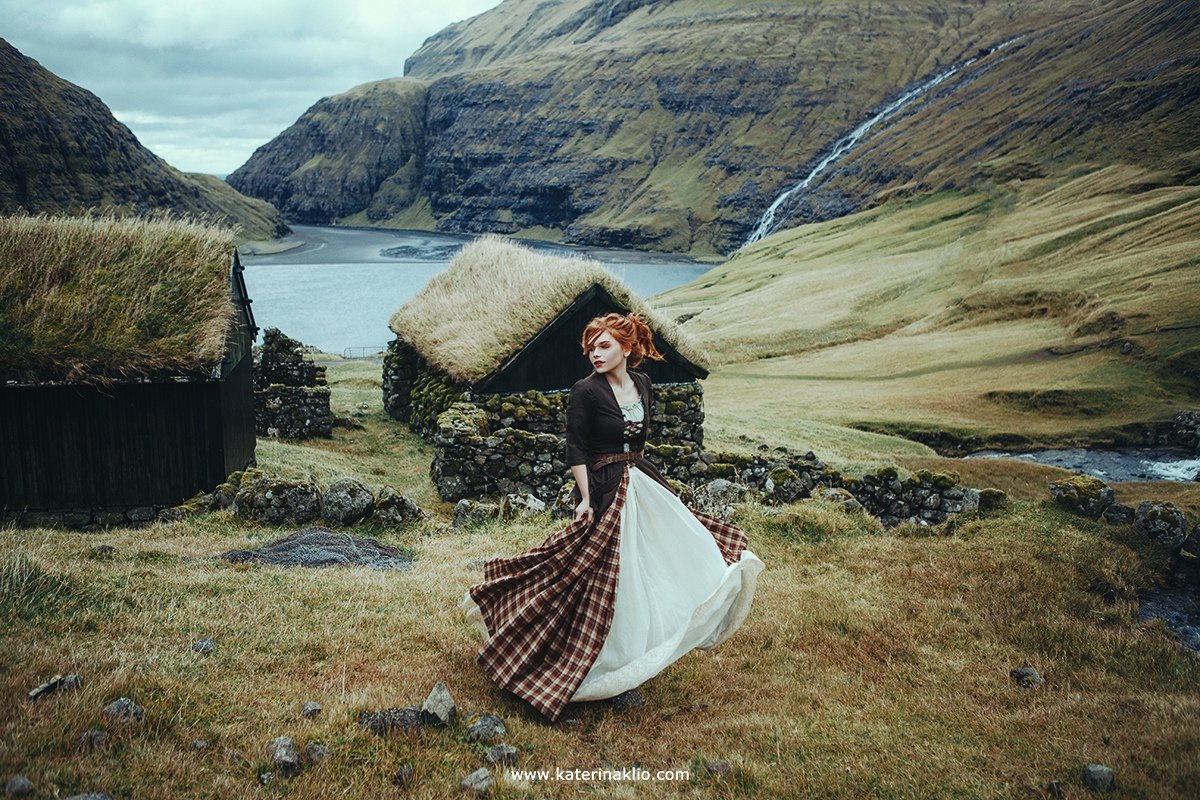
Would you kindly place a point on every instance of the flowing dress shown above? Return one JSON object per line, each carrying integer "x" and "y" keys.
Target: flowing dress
{"x": 602, "y": 607}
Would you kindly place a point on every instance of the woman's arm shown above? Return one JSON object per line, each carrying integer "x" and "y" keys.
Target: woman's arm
{"x": 584, "y": 509}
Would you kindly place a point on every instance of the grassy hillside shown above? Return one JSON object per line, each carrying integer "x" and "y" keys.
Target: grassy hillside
{"x": 873, "y": 662}
{"x": 1025, "y": 312}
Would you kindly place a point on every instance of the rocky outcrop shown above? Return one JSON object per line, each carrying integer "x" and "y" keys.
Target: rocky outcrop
{"x": 62, "y": 150}
{"x": 361, "y": 151}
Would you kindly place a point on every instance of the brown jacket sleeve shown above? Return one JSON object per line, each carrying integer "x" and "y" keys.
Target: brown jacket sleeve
{"x": 579, "y": 424}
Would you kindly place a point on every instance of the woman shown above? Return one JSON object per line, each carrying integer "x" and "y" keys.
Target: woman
{"x": 636, "y": 580}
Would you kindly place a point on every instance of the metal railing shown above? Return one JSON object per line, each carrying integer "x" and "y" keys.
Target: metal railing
{"x": 363, "y": 352}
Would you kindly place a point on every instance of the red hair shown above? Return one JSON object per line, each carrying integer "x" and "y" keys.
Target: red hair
{"x": 630, "y": 331}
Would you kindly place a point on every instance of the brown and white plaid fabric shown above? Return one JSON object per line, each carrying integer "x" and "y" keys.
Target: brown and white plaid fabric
{"x": 548, "y": 610}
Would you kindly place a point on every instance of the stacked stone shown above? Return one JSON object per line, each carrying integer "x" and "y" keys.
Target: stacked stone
{"x": 400, "y": 366}
{"x": 84, "y": 519}
{"x": 291, "y": 398}
{"x": 925, "y": 498}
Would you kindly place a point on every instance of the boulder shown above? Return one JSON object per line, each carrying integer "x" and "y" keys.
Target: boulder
{"x": 346, "y": 502}
{"x": 1082, "y": 494}
{"x": 1162, "y": 522}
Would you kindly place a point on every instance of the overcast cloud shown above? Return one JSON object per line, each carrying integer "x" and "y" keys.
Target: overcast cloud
{"x": 203, "y": 83}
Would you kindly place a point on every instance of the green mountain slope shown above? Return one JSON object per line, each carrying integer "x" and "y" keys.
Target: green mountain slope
{"x": 62, "y": 150}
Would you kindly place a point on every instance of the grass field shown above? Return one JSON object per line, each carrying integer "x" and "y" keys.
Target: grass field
{"x": 874, "y": 662}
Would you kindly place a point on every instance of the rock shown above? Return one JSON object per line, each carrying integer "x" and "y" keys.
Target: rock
{"x": 836, "y": 495}
{"x": 1026, "y": 677}
{"x": 1082, "y": 494}
{"x": 1119, "y": 514}
{"x": 502, "y": 754}
{"x": 276, "y": 502}
{"x": 311, "y": 709}
{"x": 1190, "y": 549}
{"x": 1099, "y": 778}
{"x": 480, "y": 781}
{"x": 102, "y": 552}
{"x": 316, "y": 752}
{"x": 199, "y": 744}
{"x": 1163, "y": 522}
{"x": 990, "y": 499}
{"x": 265, "y": 778}
{"x": 204, "y": 646}
{"x": 721, "y": 492}
{"x": 438, "y": 708}
{"x": 1185, "y": 431}
{"x": 381, "y": 722}
{"x": 346, "y": 502}
{"x": 520, "y": 506}
{"x": 393, "y": 508}
{"x": 93, "y": 739}
{"x": 488, "y": 728}
{"x": 631, "y": 698}
{"x": 717, "y": 767}
{"x": 89, "y": 796}
{"x": 284, "y": 757}
{"x": 473, "y": 512}
{"x": 971, "y": 499}
{"x": 18, "y": 786}
{"x": 404, "y": 774}
{"x": 125, "y": 710}
{"x": 64, "y": 682}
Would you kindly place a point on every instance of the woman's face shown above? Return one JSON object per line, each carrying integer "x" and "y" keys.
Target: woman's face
{"x": 606, "y": 353}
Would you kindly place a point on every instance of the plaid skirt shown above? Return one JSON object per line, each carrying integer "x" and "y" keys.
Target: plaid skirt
{"x": 546, "y": 614}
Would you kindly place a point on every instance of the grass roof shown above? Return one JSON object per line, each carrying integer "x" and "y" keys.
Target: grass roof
{"x": 97, "y": 299}
{"x": 496, "y": 295}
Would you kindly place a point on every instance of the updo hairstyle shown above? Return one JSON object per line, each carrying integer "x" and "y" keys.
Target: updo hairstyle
{"x": 630, "y": 330}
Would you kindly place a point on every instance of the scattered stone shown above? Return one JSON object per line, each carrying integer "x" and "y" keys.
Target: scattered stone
{"x": 438, "y": 708}
{"x": 393, "y": 509}
{"x": 381, "y": 722}
{"x": 404, "y": 774}
{"x": 841, "y": 496}
{"x": 1119, "y": 514}
{"x": 1163, "y": 522}
{"x": 93, "y": 739}
{"x": 474, "y": 512}
{"x": 991, "y": 499}
{"x": 265, "y": 777}
{"x": 502, "y": 754}
{"x": 284, "y": 756}
{"x": 488, "y": 728}
{"x": 1099, "y": 778}
{"x": 1082, "y": 494}
{"x": 125, "y": 710}
{"x": 18, "y": 786}
{"x": 311, "y": 709}
{"x": 1190, "y": 549}
{"x": 64, "y": 682}
{"x": 199, "y": 744}
{"x": 316, "y": 752}
{"x": 275, "y": 501}
{"x": 204, "y": 646}
{"x": 1026, "y": 677}
{"x": 89, "y": 796}
{"x": 520, "y": 506}
{"x": 346, "y": 502}
{"x": 631, "y": 698}
{"x": 322, "y": 547}
{"x": 718, "y": 767}
{"x": 480, "y": 781}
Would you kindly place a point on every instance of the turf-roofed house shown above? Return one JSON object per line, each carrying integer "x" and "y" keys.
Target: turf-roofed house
{"x": 125, "y": 367}
{"x": 485, "y": 355}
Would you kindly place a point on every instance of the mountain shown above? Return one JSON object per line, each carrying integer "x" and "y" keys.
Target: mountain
{"x": 61, "y": 149}
{"x": 673, "y": 125}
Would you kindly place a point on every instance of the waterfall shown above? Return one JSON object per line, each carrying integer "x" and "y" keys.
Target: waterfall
{"x": 847, "y": 143}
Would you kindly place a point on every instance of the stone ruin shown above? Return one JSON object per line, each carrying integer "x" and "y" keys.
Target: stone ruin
{"x": 291, "y": 397}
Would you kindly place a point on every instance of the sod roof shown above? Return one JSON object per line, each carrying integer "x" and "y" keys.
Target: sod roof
{"x": 496, "y": 295}
{"x": 98, "y": 299}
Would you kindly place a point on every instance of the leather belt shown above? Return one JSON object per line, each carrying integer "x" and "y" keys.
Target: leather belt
{"x": 609, "y": 458}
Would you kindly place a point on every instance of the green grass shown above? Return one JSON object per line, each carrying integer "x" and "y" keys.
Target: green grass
{"x": 874, "y": 662}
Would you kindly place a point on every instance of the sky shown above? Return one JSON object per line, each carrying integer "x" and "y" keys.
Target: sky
{"x": 203, "y": 83}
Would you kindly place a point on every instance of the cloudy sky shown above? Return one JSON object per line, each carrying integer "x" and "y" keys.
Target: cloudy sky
{"x": 203, "y": 83}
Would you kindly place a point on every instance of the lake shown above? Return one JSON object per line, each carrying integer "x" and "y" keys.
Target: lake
{"x": 337, "y": 288}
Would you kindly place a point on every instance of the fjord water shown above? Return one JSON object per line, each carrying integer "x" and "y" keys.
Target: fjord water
{"x": 338, "y": 288}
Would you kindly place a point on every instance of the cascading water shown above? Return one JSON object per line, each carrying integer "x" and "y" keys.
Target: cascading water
{"x": 767, "y": 221}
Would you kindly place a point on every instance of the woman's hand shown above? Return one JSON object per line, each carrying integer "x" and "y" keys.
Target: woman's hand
{"x": 583, "y": 511}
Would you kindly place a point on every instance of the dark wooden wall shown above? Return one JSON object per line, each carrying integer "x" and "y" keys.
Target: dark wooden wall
{"x": 553, "y": 359}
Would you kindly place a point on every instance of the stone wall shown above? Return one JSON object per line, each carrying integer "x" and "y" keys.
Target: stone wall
{"x": 291, "y": 398}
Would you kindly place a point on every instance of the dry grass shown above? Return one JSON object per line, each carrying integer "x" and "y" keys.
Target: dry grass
{"x": 873, "y": 663}
{"x": 496, "y": 295}
{"x": 101, "y": 298}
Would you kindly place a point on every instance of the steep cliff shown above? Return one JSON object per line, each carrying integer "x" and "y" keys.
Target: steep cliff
{"x": 62, "y": 150}
{"x": 673, "y": 125}
{"x": 358, "y": 152}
